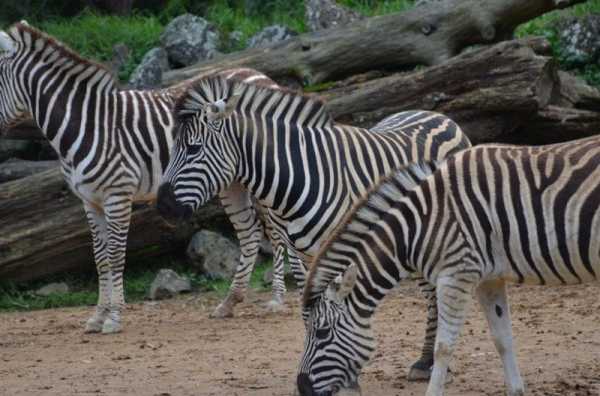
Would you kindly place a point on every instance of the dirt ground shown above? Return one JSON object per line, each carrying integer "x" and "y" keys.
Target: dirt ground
{"x": 172, "y": 348}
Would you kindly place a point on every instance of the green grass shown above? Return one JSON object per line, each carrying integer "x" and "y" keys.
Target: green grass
{"x": 93, "y": 36}
{"x": 138, "y": 278}
{"x": 377, "y": 7}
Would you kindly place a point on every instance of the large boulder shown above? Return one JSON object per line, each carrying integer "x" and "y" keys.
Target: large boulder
{"x": 52, "y": 288}
{"x": 189, "y": 39}
{"x": 149, "y": 72}
{"x": 325, "y": 14}
{"x": 213, "y": 254}
{"x": 580, "y": 39}
{"x": 168, "y": 284}
{"x": 270, "y": 35}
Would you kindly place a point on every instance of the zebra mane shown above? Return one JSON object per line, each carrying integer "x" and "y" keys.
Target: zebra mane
{"x": 213, "y": 88}
{"x": 374, "y": 204}
{"x": 27, "y": 36}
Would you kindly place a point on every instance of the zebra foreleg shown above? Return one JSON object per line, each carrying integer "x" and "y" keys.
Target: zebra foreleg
{"x": 453, "y": 298}
{"x": 492, "y": 297}
{"x": 278, "y": 286}
{"x": 118, "y": 217}
{"x": 239, "y": 207}
{"x": 421, "y": 369}
{"x": 97, "y": 223}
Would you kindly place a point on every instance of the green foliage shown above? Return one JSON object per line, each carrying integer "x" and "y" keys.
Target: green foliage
{"x": 378, "y": 7}
{"x": 93, "y": 36}
{"x": 138, "y": 278}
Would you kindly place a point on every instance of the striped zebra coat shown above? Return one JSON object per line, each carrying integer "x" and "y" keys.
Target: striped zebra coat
{"x": 489, "y": 215}
{"x": 300, "y": 165}
{"x": 113, "y": 146}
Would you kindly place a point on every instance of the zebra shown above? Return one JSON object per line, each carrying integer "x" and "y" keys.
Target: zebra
{"x": 113, "y": 146}
{"x": 288, "y": 153}
{"x": 487, "y": 216}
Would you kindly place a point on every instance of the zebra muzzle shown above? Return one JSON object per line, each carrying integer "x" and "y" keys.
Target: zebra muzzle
{"x": 168, "y": 206}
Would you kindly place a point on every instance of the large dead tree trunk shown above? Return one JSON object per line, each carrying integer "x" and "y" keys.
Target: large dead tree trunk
{"x": 425, "y": 35}
{"x": 44, "y": 230}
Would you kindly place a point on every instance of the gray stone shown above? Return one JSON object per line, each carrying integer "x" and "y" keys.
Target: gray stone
{"x": 235, "y": 38}
{"x": 325, "y": 14}
{"x": 270, "y": 35}
{"x": 213, "y": 254}
{"x": 580, "y": 39}
{"x": 52, "y": 288}
{"x": 149, "y": 72}
{"x": 189, "y": 39}
{"x": 266, "y": 248}
{"x": 12, "y": 148}
{"x": 168, "y": 284}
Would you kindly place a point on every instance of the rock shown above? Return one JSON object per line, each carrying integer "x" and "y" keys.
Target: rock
{"x": 270, "y": 35}
{"x": 235, "y": 39}
{"x": 325, "y": 14}
{"x": 265, "y": 247}
{"x": 168, "y": 284}
{"x": 189, "y": 39}
{"x": 213, "y": 254}
{"x": 149, "y": 72}
{"x": 120, "y": 56}
{"x": 52, "y": 288}
{"x": 580, "y": 39}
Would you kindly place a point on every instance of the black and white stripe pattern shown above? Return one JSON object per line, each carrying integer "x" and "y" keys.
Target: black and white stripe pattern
{"x": 113, "y": 145}
{"x": 487, "y": 216}
{"x": 288, "y": 153}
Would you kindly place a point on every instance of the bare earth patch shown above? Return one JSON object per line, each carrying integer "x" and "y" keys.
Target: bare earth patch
{"x": 173, "y": 348}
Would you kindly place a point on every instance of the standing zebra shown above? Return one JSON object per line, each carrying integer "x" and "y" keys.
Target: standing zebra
{"x": 289, "y": 154}
{"x": 113, "y": 146}
{"x": 489, "y": 215}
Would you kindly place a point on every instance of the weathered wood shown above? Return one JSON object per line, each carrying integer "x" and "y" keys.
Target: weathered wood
{"x": 488, "y": 99}
{"x": 426, "y": 35}
{"x": 44, "y": 230}
{"x": 14, "y": 169}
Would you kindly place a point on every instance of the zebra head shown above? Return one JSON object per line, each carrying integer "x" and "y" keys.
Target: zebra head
{"x": 12, "y": 103}
{"x": 337, "y": 345}
{"x": 203, "y": 161}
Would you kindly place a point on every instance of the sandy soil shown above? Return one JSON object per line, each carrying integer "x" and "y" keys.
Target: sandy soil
{"x": 172, "y": 348}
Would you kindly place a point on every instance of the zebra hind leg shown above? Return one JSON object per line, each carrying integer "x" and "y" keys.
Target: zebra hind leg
{"x": 493, "y": 300}
{"x": 278, "y": 287}
{"x": 98, "y": 228}
{"x": 118, "y": 212}
{"x": 454, "y": 297}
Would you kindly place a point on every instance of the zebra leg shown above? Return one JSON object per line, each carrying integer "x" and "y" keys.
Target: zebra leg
{"x": 421, "y": 369}
{"x": 118, "y": 216}
{"x": 240, "y": 210}
{"x": 278, "y": 287}
{"x": 454, "y": 296}
{"x": 97, "y": 224}
{"x": 492, "y": 297}
{"x": 298, "y": 267}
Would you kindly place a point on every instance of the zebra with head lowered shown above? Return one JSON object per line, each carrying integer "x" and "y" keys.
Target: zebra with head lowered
{"x": 289, "y": 154}
{"x": 113, "y": 146}
{"x": 489, "y": 215}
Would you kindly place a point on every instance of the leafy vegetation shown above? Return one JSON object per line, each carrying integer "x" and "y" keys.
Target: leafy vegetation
{"x": 138, "y": 278}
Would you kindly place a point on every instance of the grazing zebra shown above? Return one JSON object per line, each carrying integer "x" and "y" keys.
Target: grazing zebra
{"x": 289, "y": 154}
{"x": 113, "y": 146}
{"x": 489, "y": 215}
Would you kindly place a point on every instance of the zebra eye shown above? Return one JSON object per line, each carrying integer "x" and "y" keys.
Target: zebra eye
{"x": 322, "y": 333}
{"x": 194, "y": 149}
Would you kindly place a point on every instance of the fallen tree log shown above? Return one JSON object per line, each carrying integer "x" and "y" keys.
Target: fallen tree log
{"x": 14, "y": 169}
{"x": 426, "y": 35}
{"x": 44, "y": 230}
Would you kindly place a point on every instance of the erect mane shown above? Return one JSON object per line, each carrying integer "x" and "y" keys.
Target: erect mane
{"x": 210, "y": 89}
{"x": 376, "y": 202}
{"x": 27, "y": 36}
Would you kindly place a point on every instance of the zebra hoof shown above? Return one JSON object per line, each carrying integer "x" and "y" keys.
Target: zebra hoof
{"x": 93, "y": 325}
{"x": 110, "y": 326}
{"x": 419, "y": 374}
{"x": 275, "y": 306}
{"x": 222, "y": 311}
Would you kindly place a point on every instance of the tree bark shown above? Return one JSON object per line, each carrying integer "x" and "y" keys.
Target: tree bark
{"x": 426, "y": 35}
{"x": 44, "y": 229}
{"x": 17, "y": 169}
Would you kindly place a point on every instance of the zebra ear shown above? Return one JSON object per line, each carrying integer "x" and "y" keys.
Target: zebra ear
{"x": 341, "y": 286}
{"x": 223, "y": 108}
{"x": 6, "y": 43}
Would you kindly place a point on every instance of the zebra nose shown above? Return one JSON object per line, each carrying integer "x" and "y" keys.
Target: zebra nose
{"x": 168, "y": 206}
{"x": 305, "y": 385}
